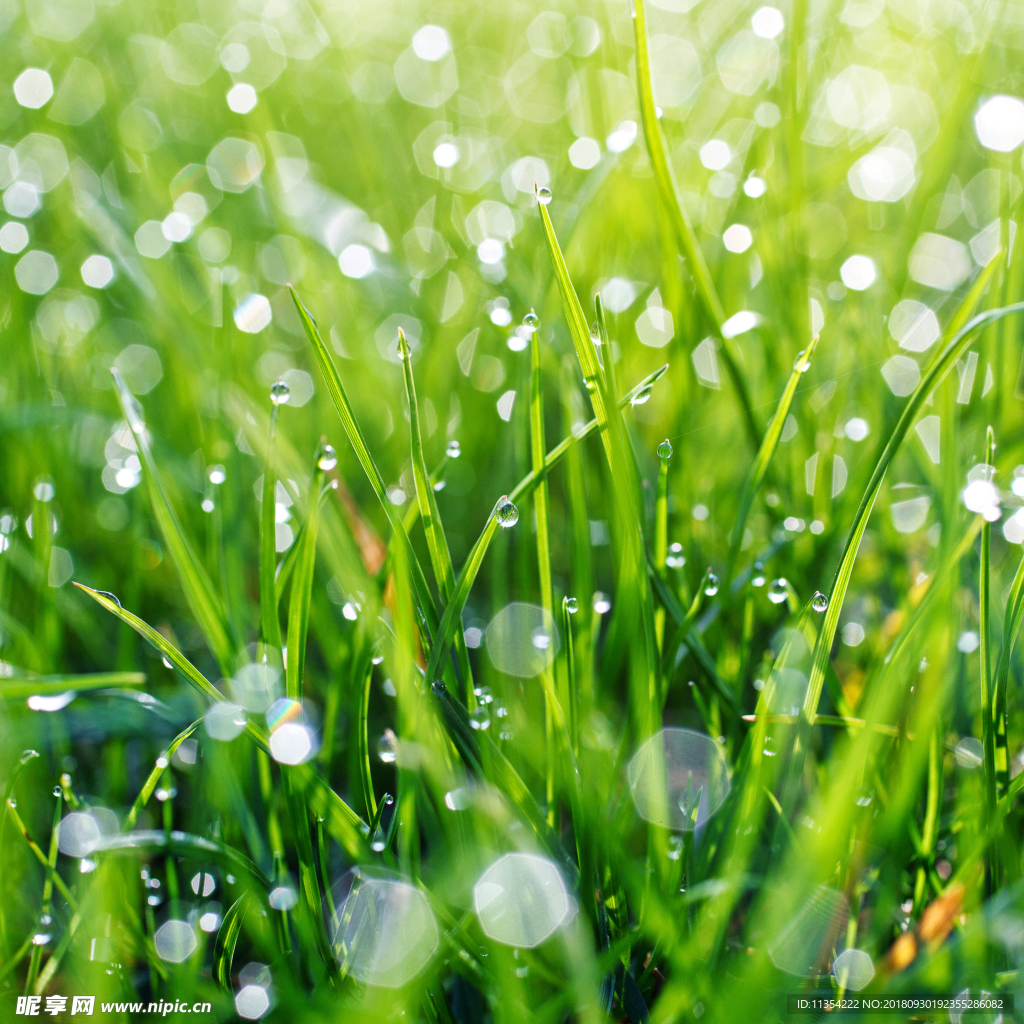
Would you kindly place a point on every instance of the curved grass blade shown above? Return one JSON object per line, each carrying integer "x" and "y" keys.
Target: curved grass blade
{"x": 200, "y": 593}
{"x": 364, "y": 675}
{"x": 40, "y": 856}
{"x": 227, "y": 939}
{"x": 960, "y": 335}
{"x": 270, "y": 624}
{"x": 184, "y": 844}
{"x": 1011, "y": 627}
{"x": 584, "y": 343}
{"x": 17, "y": 687}
{"x": 154, "y": 776}
{"x": 344, "y": 823}
{"x": 664, "y": 175}
{"x": 355, "y": 436}
{"x": 764, "y": 454}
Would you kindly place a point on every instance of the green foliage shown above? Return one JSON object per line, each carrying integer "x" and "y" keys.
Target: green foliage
{"x": 607, "y": 690}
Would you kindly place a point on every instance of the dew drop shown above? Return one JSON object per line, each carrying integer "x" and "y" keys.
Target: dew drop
{"x": 595, "y": 333}
{"x": 642, "y": 396}
{"x": 778, "y": 591}
{"x": 711, "y": 585}
{"x": 531, "y": 321}
{"x": 280, "y": 393}
{"x": 543, "y": 196}
{"x": 387, "y": 747}
{"x": 438, "y": 687}
{"x": 507, "y": 514}
{"x": 480, "y": 718}
{"x": 12, "y": 802}
{"x": 454, "y": 450}
{"x": 388, "y": 800}
{"x": 110, "y": 596}
{"x": 217, "y": 475}
{"x": 665, "y": 449}
{"x": 819, "y": 602}
{"x": 572, "y": 606}
{"x": 327, "y": 457}
{"x": 801, "y": 364}
{"x": 57, "y": 791}
{"x": 758, "y": 579}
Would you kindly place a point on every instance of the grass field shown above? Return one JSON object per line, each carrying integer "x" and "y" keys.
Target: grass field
{"x": 510, "y": 514}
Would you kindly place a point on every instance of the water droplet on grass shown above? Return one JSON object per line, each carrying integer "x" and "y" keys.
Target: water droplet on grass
{"x": 543, "y": 196}
{"x": 819, "y": 602}
{"x": 327, "y": 458}
{"x": 758, "y": 579}
{"x": 711, "y": 585}
{"x": 480, "y": 718}
{"x": 438, "y": 687}
{"x": 280, "y": 393}
{"x": 642, "y": 396}
{"x": 531, "y": 321}
{"x": 572, "y": 606}
{"x": 454, "y": 450}
{"x": 665, "y": 449}
{"x": 778, "y": 591}
{"x": 801, "y": 364}
{"x": 507, "y": 514}
{"x": 57, "y": 791}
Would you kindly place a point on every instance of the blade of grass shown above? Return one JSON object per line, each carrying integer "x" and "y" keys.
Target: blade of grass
{"x": 154, "y": 776}
{"x": 270, "y": 625}
{"x": 985, "y": 672}
{"x": 16, "y": 687}
{"x": 960, "y": 335}
{"x": 547, "y": 597}
{"x": 358, "y": 442}
{"x": 664, "y": 176}
{"x": 301, "y": 591}
{"x": 199, "y": 591}
{"x": 44, "y": 912}
{"x": 227, "y": 940}
{"x": 759, "y": 468}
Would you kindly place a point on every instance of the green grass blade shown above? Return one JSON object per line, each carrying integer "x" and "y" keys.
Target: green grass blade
{"x": 959, "y": 339}
{"x": 355, "y": 436}
{"x": 664, "y": 176}
{"x": 199, "y": 591}
{"x": 227, "y": 940}
{"x": 17, "y": 688}
{"x": 154, "y": 776}
{"x": 270, "y": 624}
{"x": 301, "y": 592}
{"x": 985, "y": 659}
{"x": 764, "y": 454}
{"x": 579, "y": 331}
{"x": 547, "y": 597}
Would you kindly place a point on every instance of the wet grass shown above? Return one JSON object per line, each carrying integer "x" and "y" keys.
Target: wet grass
{"x": 259, "y": 745}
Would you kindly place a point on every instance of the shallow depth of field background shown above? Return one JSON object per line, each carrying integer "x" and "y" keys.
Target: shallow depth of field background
{"x": 169, "y": 169}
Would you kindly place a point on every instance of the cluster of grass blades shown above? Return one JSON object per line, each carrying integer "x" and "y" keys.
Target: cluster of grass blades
{"x": 680, "y": 799}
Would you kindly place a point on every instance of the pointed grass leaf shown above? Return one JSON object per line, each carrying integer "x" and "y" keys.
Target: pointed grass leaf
{"x": 960, "y": 335}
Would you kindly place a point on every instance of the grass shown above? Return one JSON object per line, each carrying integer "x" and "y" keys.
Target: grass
{"x": 260, "y": 744}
